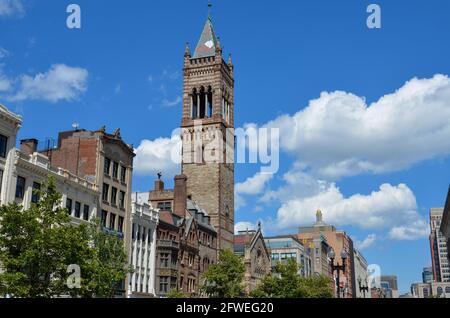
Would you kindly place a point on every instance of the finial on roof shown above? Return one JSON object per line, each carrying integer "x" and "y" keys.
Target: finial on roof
{"x": 319, "y": 216}
{"x": 159, "y": 174}
{"x": 230, "y": 61}
{"x": 117, "y": 133}
{"x": 187, "y": 51}
{"x": 259, "y": 225}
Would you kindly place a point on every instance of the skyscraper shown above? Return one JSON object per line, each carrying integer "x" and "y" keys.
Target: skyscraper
{"x": 438, "y": 246}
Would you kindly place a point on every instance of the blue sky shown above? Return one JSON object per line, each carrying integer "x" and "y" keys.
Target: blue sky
{"x": 123, "y": 69}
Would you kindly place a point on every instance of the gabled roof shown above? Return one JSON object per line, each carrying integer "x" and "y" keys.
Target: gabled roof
{"x": 208, "y": 42}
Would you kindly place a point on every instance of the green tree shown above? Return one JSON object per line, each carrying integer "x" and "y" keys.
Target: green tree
{"x": 37, "y": 246}
{"x": 224, "y": 279}
{"x": 285, "y": 282}
{"x": 175, "y": 293}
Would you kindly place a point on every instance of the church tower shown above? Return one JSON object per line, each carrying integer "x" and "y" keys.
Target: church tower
{"x": 208, "y": 132}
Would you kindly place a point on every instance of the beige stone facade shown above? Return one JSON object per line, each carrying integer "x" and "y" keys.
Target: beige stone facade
{"x": 251, "y": 246}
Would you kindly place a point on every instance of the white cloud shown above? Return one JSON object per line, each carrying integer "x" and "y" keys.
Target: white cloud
{"x": 244, "y": 226}
{"x": 3, "y": 53}
{"x": 159, "y": 155}
{"x": 390, "y": 208}
{"x": 171, "y": 103}
{"x": 339, "y": 135}
{"x": 368, "y": 242}
{"x": 252, "y": 186}
{"x": 11, "y": 8}
{"x": 60, "y": 82}
{"x": 416, "y": 230}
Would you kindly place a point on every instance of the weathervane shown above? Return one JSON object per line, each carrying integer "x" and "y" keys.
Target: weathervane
{"x": 209, "y": 9}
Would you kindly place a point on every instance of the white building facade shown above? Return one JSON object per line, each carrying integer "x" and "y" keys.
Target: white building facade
{"x": 361, "y": 275}
{"x": 144, "y": 220}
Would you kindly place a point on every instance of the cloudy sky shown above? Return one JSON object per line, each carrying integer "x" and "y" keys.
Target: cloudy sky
{"x": 363, "y": 114}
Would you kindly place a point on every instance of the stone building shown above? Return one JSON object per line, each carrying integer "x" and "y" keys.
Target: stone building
{"x": 9, "y": 126}
{"x": 339, "y": 241}
{"x": 285, "y": 247}
{"x": 257, "y": 259}
{"x": 433, "y": 289}
{"x": 361, "y": 275}
{"x": 144, "y": 221}
{"x": 25, "y": 170}
{"x": 208, "y": 134}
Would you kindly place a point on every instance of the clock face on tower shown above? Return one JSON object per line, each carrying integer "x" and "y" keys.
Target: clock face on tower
{"x": 209, "y": 44}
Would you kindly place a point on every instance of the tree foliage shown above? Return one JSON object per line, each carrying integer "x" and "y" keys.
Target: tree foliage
{"x": 285, "y": 282}
{"x": 224, "y": 279}
{"x": 37, "y": 246}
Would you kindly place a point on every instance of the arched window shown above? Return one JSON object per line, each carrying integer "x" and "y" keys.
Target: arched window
{"x": 210, "y": 102}
{"x": 194, "y": 104}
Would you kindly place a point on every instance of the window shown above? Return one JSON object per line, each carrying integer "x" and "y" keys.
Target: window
{"x": 86, "y": 212}
{"x": 112, "y": 221}
{"x": 113, "y": 196}
{"x": 133, "y": 232}
{"x": 69, "y": 206}
{"x": 164, "y": 284}
{"x": 122, "y": 199}
{"x": 144, "y": 232}
{"x": 20, "y": 187}
{"x": 165, "y": 206}
{"x": 149, "y": 236}
{"x": 105, "y": 192}
{"x": 35, "y": 195}
{"x": 164, "y": 260}
{"x": 120, "y": 225}
{"x": 104, "y": 217}
{"x": 107, "y": 165}
{"x": 77, "y": 209}
{"x": 115, "y": 173}
{"x": 3, "y": 146}
{"x": 123, "y": 174}
{"x": 139, "y": 233}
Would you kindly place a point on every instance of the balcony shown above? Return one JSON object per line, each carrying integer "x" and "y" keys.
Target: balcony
{"x": 168, "y": 244}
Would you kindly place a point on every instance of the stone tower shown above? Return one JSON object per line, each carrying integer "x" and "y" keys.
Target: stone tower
{"x": 208, "y": 132}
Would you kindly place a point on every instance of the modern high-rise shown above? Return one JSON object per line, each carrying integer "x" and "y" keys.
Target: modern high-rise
{"x": 427, "y": 275}
{"x": 445, "y": 222}
{"x": 438, "y": 247}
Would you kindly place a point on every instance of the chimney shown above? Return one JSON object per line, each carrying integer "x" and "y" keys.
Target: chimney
{"x": 180, "y": 196}
{"x": 28, "y": 146}
{"x": 159, "y": 185}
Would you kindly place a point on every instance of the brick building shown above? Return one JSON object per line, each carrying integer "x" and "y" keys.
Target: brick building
{"x": 339, "y": 241}
{"x": 207, "y": 132}
{"x": 186, "y": 240}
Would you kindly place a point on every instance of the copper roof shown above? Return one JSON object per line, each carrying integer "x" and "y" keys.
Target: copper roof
{"x": 207, "y": 44}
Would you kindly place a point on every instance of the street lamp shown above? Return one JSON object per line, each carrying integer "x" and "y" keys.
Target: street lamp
{"x": 363, "y": 289}
{"x": 336, "y": 267}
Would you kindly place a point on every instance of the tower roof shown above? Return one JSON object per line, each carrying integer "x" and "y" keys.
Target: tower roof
{"x": 208, "y": 42}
